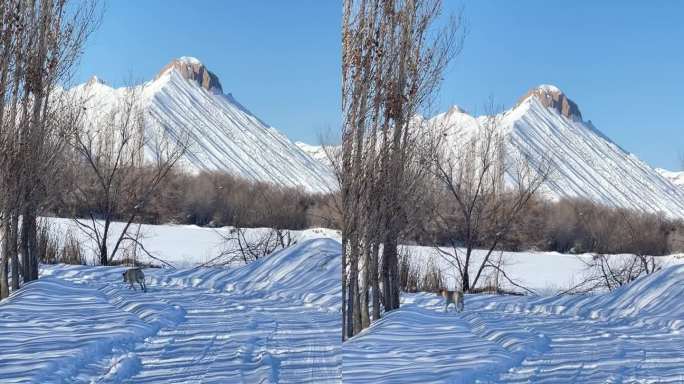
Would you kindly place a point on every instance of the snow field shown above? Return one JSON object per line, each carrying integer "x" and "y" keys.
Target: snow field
{"x": 277, "y": 320}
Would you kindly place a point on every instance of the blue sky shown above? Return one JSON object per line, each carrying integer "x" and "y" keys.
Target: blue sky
{"x": 281, "y": 59}
{"x": 621, "y": 61}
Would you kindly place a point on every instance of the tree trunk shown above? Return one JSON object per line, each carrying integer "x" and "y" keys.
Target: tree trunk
{"x": 4, "y": 283}
{"x": 465, "y": 283}
{"x": 344, "y": 287}
{"x": 365, "y": 283}
{"x": 374, "y": 281}
{"x": 354, "y": 287}
{"x": 103, "y": 246}
{"x": 29, "y": 247}
{"x": 13, "y": 251}
{"x": 390, "y": 275}
{"x": 4, "y": 270}
{"x": 351, "y": 295}
{"x": 353, "y": 309}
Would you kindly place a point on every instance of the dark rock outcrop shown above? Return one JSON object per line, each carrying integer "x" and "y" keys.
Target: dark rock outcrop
{"x": 192, "y": 69}
{"x": 552, "y": 97}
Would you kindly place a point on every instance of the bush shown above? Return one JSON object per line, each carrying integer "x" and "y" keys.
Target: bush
{"x": 52, "y": 251}
{"x": 575, "y": 226}
{"x": 413, "y": 278}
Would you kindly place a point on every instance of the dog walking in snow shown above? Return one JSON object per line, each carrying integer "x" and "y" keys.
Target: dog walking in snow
{"x": 135, "y": 275}
{"x": 452, "y": 297}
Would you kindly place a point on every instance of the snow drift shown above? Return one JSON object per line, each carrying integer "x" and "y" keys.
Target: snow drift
{"x": 630, "y": 335}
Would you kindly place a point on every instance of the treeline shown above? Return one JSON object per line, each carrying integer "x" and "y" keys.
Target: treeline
{"x": 578, "y": 226}
{"x": 212, "y": 199}
{"x": 216, "y": 199}
{"x": 571, "y": 226}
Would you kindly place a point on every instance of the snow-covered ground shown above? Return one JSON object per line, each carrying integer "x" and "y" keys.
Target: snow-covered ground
{"x": 318, "y": 152}
{"x": 178, "y": 245}
{"x": 277, "y": 320}
{"x": 540, "y": 272}
{"x": 184, "y": 246}
{"x": 274, "y": 320}
{"x": 676, "y": 177}
{"x": 633, "y": 334}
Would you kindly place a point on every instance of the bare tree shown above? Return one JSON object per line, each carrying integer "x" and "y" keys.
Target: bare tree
{"x": 123, "y": 164}
{"x": 484, "y": 191}
{"x": 638, "y": 234}
{"x": 392, "y": 63}
{"x": 243, "y": 246}
{"x": 40, "y": 41}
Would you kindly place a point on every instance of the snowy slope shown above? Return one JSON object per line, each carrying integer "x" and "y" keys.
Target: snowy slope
{"x": 184, "y": 246}
{"x": 547, "y": 125}
{"x": 224, "y": 135}
{"x": 317, "y": 152}
{"x": 539, "y": 272}
{"x": 677, "y": 178}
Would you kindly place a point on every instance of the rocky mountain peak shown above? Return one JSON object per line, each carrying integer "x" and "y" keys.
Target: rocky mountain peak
{"x": 193, "y": 69}
{"x": 552, "y": 97}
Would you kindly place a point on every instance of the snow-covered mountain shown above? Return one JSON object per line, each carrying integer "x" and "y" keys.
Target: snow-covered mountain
{"x": 224, "y": 135}
{"x": 677, "y": 178}
{"x": 318, "y": 152}
{"x": 546, "y": 124}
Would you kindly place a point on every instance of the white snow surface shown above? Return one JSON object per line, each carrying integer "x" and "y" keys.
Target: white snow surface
{"x": 317, "y": 152}
{"x": 186, "y": 246}
{"x": 549, "y": 88}
{"x": 632, "y": 335}
{"x": 676, "y": 177}
{"x": 190, "y": 60}
{"x": 181, "y": 246}
{"x": 585, "y": 162}
{"x": 223, "y": 134}
{"x": 538, "y": 271}
{"x": 275, "y": 320}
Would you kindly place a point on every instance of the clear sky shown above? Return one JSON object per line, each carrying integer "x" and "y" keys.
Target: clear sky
{"x": 621, "y": 61}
